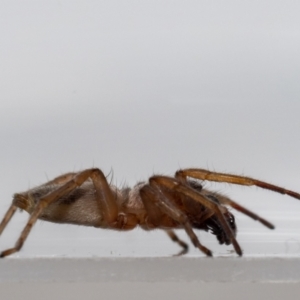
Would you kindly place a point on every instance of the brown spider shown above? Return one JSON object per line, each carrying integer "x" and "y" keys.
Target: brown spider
{"x": 86, "y": 198}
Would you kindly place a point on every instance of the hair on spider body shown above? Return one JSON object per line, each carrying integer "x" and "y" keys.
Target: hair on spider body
{"x": 167, "y": 203}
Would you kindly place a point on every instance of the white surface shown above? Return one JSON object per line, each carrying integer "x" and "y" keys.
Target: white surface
{"x": 140, "y": 88}
{"x": 226, "y": 291}
{"x": 156, "y": 270}
{"x": 226, "y": 278}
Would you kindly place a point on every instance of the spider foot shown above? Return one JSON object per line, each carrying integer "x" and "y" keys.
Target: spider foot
{"x": 8, "y": 252}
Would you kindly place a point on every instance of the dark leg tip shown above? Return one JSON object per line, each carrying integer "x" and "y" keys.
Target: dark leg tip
{"x": 209, "y": 254}
{"x": 8, "y": 252}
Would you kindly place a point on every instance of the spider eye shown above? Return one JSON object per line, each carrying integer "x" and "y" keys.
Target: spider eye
{"x": 231, "y": 221}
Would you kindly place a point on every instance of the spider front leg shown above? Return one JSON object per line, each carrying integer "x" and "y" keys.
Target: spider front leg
{"x": 202, "y": 174}
{"x": 176, "y": 185}
{"x": 230, "y": 178}
{"x": 108, "y": 207}
{"x": 182, "y": 176}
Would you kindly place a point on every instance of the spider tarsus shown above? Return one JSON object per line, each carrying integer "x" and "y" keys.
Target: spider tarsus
{"x": 7, "y": 252}
{"x": 209, "y": 253}
{"x": 237, "y": 248}
{"x": 268, "y": 224}
{"x": 182, "y": 252}
{"x": 205, "y": 250}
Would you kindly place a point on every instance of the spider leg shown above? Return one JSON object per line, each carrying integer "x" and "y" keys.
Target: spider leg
{"x": 105, "y": 198}
{"x": 61, "y": 179}
{"x": 227, "y": 201}
{"x": 176, "y": 239}
{"x": 230, "y": 178}
{"x": 176, "y": 185}
{"x": 249, "y": 213}
{"x": 154, "y": 217}
{"x": 163, "y": 201}
{"x": 7, "y": 217}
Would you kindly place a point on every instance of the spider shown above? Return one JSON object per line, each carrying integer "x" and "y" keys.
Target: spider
{"x": 86, "y": 198}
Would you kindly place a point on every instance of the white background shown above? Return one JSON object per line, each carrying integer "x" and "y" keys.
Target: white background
{"x": 143, "y": 87}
